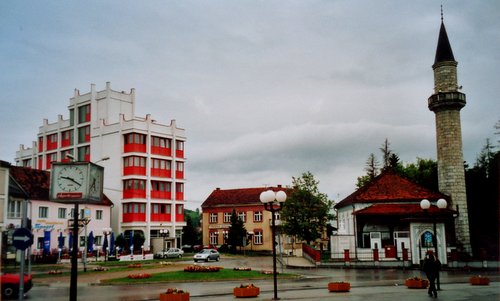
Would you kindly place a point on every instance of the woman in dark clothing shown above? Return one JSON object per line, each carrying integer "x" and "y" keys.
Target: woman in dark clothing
{"x": 431, "y": 269}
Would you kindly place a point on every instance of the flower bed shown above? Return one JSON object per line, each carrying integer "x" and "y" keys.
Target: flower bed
{"x": 479, "y": 280}
{"x": 199, "y": 268}
{"x": 139, "y": 276}
{"x": 246, "y": 291}
{"x": 242, "y": 269}
{"x": 339, "y": 286}
{"x": 135, "y": 265}
{"x": 416, "y": 282}
{"x": 55, "y": 272}
{"x": 173, "y": 294}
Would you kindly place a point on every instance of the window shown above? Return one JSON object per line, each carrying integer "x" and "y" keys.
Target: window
{"x": 84, "y": 153}
{"x": 61, "y": 213}
{"x": 179, "y": 187}
{"x": 257, "y": 237}
{"x": 43, "y": 212}
{"x": 135, "y": 138}
{"x": 242, "y": 216}
{"x": 277, "y": 216}
{"x": 67, "y": 138}
{"x": 180, "y": 209}
{"x": 179, "y": 145}
{"x": 84, "y": 114}
{"x": 98, "y": 214}
{"x": 64, "y": 155}
{"x": 134, "y": 161}
{"x": 14, "y": 209}
{"x": 84, "y": 134}
{"x": 168, "y": 209}
{"x": 257, "y": 216}
{"x": 227, "y": 217}
{"x": 135, "y": 184}
{"x": 98, "y": 240}
{"x": 162, "y": 164}
{"x": 71, "y": 117}
{"x": 161, "y": 186}
{"x": 213, "y": 218}
{"x": 161, "y": 142}
{"x": 179, "y": 166}
{"x": 214, "y": 238}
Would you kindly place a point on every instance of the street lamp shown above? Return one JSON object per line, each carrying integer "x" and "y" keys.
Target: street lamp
{"x": 164, "y": 234}
{"x": 106, "y": 231}
{"x": 270, "y": 198}
{"x": 425, "y": 205}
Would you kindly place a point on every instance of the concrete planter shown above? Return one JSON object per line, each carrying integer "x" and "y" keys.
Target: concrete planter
{"x": 174, "y": 297}
{"x": 416, "y": 283}
{"x": 339, "y": 286}
{"x": 246, "y": 292}
{"x": 479, "y": 280}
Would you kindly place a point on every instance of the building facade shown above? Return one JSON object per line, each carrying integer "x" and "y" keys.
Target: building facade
{"x": 143, "y": 161}
{"x": 216, "y": 220}
{"x": 446, "y": 103}
{"x": 25, "y": 194}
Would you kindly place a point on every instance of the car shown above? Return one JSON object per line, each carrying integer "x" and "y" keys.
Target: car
{"x": 10, "y": 285}
{"x": 187, "y": 248}
{"x": 171, "y": 253}
{"x": 206, "y": 255}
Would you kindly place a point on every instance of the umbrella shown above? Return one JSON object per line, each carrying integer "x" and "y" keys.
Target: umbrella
{"x": 61, "y": 241}
{"x": 131, "y": 241}
{"x": 105, "y": 244}
{"x": 90, "y": 242}
{"x": 112, "y": 243}
{"x": 71, "y": 240}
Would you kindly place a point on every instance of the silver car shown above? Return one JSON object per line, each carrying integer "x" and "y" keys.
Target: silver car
{"x": 206, "y": 255}
{"x": 171, "y": 253}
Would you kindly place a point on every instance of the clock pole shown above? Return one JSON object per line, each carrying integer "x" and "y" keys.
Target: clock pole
{"x": 74, "y": 257}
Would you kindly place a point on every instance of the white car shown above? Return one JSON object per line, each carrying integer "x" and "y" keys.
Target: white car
{"x": 171, "y": 253}
{"x": 206, "y": 255}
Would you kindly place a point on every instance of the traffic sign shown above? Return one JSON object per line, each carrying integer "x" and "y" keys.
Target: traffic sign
{"x": 22, "y": 238}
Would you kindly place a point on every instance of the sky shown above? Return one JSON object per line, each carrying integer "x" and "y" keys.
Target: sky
{"x": 266, "y": 90}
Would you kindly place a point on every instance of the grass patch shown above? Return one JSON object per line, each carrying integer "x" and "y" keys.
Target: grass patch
{"x": 179, "y": 276}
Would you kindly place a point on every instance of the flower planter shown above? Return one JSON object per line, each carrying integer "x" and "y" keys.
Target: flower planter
{"x": 416, "y": 283}
{"x": 174, "y": 297}
{"x": 339, "y": 286}
{"x": 479, "y": 280}
{"x": 246, "y": 292}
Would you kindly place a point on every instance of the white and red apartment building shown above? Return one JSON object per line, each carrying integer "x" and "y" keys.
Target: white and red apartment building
{"x": 143, "y": 161}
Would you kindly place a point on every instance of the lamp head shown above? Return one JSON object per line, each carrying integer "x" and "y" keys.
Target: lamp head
{"x": 281, "y": 196}
{"x": 425, "y": 204}
{"x": 441, "y": 203}
{"x": 267, "y": 196}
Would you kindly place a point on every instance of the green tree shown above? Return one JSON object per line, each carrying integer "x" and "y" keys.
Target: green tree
{"x": 189, "y": 233}
{"x": 236, "y": 232}
{"x": 306, "y": 212}
{"x": 371, "y": 171}
{"x": 424, "y": 173}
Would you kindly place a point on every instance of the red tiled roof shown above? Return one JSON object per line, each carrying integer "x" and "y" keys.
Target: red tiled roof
{"x": 36, "y": 183}
{"x": 390, "y": 187}
{"x": 237, "y": 197}
{"x": 400, "y": 209}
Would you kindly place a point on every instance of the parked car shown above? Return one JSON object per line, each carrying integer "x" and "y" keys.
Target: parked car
{"x": 206, "y": 255}
{"x": 187, "y": 248}
{"x": 171, "y": 253}
{"x": 10, "y": 285}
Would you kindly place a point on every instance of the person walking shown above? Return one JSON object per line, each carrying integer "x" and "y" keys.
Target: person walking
{"x": 431, "y": 270}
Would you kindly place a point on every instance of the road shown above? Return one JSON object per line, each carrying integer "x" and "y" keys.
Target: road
{"x": 372, "y": 284}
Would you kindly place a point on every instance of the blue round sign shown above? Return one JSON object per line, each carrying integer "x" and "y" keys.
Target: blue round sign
{"x": 22, "y": 238}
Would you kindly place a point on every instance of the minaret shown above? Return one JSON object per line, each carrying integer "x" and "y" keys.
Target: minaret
{"x": 446, "y": 103}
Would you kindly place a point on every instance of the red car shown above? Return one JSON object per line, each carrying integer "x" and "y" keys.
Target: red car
{"x": 10, "y": 285}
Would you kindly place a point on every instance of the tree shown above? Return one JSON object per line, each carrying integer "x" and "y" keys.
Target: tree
{"x": 386, "y": 154}
{"x": 190, "y": 234}
{"x": 236, "y": 232}
{"x": 371, "y": 171}
{"x": 424, "y": 173}
{"x": 306, "y": 212}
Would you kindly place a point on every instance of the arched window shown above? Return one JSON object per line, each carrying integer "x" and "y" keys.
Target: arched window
{"x": 426, "y": 240}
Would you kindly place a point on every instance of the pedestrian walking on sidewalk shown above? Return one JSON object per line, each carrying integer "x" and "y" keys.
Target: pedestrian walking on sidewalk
{"x": 431, "y": 269}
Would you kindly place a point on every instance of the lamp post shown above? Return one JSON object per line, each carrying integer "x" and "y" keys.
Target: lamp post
{"x": 106, "y": 231}
{"x": 270, "y": 198}
{"x": 164, "y": 234}
{"x": 425, "y": 205}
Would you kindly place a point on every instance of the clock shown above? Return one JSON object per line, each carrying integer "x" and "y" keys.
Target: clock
{"x": 95, "y": 182}
{"x": 71, "y": 178}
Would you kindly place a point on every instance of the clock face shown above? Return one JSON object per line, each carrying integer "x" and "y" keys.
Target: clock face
{"x": 71, "y": 178}
{"x": 95, "y": 182}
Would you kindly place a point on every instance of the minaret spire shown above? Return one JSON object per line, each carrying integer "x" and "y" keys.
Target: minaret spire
{"x": 442, "y": 18}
